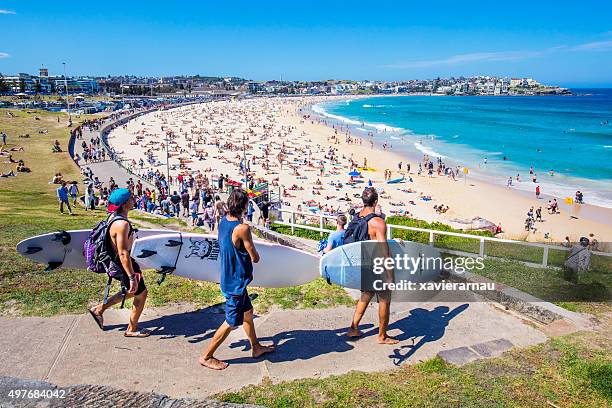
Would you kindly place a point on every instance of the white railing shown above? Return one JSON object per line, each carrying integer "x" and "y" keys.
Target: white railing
{"x": 313, "y": 218}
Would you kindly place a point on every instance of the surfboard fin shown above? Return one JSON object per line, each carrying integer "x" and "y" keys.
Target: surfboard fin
{"x": 53, "y": 265}
{"x": 173, "y": 243}
{"x": 165, "y": 270}
{"x": 33, "y": 250}
{"x": 63, "y": 237}
{"x": 327, "y": 278}
{"x": 145, "y": 253}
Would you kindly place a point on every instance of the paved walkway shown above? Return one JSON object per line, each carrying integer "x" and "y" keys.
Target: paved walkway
{"x": 105, "y": 169}
{"x": 68, "y": 350}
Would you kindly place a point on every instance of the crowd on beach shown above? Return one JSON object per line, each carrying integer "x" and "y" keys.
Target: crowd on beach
{"x": 261, "y": 150}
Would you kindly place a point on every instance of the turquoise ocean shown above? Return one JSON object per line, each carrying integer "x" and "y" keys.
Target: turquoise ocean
{"x": 498, "y": 136}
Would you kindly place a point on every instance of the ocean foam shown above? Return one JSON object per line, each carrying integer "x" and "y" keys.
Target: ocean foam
{"x": 428, "y": 151}
{"x": 378, "y": 126}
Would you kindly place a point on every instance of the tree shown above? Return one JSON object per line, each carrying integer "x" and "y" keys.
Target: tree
{"x": 4, "y": 88}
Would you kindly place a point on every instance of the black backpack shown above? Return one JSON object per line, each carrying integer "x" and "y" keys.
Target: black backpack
{"x": 357, "y": 229}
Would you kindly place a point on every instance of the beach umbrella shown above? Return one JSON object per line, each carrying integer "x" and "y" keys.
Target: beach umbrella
{"x": 354, "y": 174}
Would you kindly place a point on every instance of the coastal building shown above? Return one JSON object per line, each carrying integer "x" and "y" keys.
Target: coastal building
{"x": 255, "y": 87}
{"x": 45, "y": 84}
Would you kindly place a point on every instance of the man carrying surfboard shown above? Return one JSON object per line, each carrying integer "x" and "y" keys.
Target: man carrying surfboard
{"x": 368, "y": 225}
{"x": 237, "y": 255}
{"x": 120, "y": 236}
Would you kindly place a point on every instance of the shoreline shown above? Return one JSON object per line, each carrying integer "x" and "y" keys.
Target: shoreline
{"x": 228, "y": 120}
{"x": 407, "y": 147}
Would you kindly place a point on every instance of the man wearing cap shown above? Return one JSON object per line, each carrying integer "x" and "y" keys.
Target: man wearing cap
{"x": 122, "y": 265}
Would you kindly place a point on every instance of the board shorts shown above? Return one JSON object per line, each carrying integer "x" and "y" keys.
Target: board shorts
{"x": 236, "y": 307}
{"x": 123, "y": 277}
{"x": 384, "y": 295}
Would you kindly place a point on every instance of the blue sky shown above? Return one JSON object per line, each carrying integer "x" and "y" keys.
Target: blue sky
{"x": 568, "y": 43}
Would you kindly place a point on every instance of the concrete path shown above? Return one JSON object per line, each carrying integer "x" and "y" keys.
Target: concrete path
{"x": 67, "y": 350}
{"x": 105, "y": 169}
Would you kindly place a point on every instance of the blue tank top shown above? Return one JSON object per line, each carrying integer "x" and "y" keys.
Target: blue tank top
{"x": 236, "y": 265}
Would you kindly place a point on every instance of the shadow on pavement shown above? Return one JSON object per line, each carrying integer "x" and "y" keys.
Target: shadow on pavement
{"x": 200, "y": 325}
{"x": 299, "y": 345}
{"x": 430, "y": 325}
{"x": 196, "y": 326}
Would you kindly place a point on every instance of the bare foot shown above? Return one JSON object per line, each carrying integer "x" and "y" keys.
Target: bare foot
{"x": 387, "y": 340}
{"x": 97, "y": 317}
{"x": 354, "y": 333}
{"x": 259, "y": 350}
{"x": 212, "y": 363}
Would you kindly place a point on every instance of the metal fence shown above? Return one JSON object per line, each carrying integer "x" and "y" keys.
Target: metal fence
{"x": 454, "y": 243}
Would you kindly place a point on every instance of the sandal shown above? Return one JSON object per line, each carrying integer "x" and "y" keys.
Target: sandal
{"x": 139, "y": 333}
{"x": 98, "y": 319}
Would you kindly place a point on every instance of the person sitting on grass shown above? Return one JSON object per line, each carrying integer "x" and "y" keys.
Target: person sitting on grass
{"x": 237, "y": 255}
{"x": 21, "y": 167}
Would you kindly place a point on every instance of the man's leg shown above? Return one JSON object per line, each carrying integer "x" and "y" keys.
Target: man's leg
{"x": 249, "y": 328}
{"x": 362, "y": 305}
{"x": 61, "y": 207}
{"x": 137, "y": 308}
{"x": 384, "y": 309}
{"x": 99, "y": 309}
{"x": 207, "y": 358}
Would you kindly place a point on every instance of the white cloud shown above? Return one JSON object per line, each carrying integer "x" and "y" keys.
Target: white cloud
{"x": 597, "y": 45}
{"x": 502, "y": 56}
{"x": 2, "y": 11}
{"x": 473, "y": 57}
{"x": 3, "y": 55}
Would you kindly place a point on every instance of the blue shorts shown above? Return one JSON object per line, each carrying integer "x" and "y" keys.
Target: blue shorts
{"x": 236, "y": 307}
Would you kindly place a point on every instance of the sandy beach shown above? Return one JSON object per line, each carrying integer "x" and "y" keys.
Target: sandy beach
{"x": 308, "y": 159}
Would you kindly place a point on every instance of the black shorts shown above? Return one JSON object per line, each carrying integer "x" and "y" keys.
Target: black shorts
{"x": 125, "y": 279}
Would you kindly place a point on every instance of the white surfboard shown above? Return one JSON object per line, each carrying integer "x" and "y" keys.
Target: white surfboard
{"x": 343, "y": 265}
{"x": 195, "y": 256}
{"x": 64, "y": 249}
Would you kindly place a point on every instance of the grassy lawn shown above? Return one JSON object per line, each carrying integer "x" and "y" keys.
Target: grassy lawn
{"x": 570, "y": 371}
{"x": 28, "y": 207}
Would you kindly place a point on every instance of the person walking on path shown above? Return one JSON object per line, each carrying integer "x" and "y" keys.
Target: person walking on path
{"x": 73, "y": 190}
{"x": 62, "y": 196}
{"x": 237, "y": 255}
{"x": 120, "y": 237}
{"x": 367, "y": 225}
{"x": 336, "y": 238}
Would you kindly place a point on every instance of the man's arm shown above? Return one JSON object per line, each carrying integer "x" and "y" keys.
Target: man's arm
{"x": 243, "y": 233}
{"x": 121, "y": 230}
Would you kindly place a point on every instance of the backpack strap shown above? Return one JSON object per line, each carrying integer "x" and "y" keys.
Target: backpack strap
{"x": 368, "y": 217}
